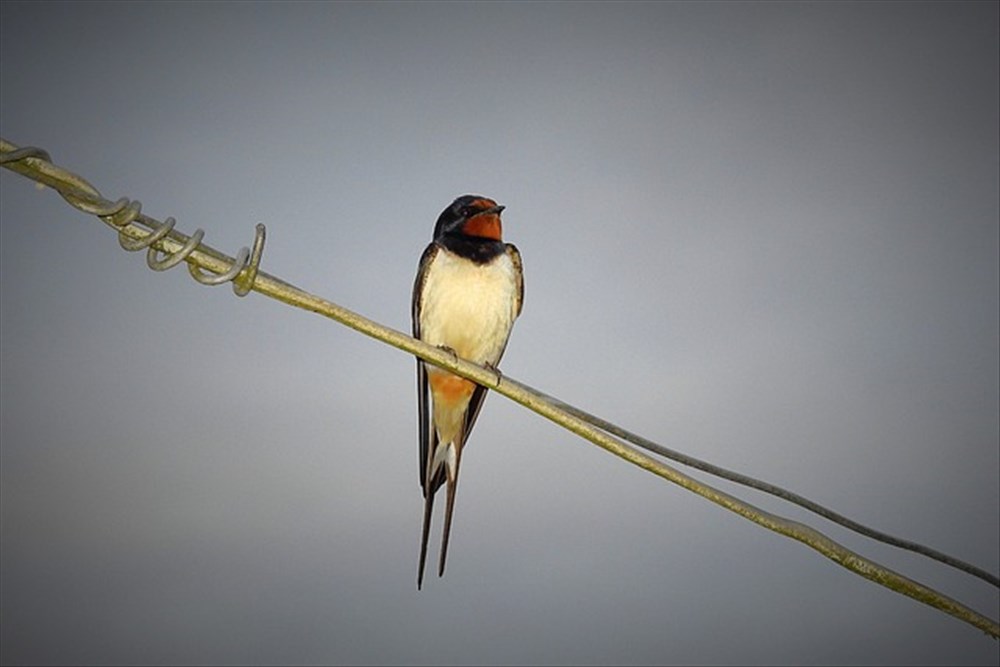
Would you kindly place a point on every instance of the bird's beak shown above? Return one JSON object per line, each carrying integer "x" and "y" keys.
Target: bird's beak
{"x": 495, "y": 209}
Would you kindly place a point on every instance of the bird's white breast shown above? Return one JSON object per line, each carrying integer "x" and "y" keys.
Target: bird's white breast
{"x": 469, "y": 307}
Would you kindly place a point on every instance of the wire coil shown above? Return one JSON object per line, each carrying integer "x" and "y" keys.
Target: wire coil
{"x": 122, "y": 215}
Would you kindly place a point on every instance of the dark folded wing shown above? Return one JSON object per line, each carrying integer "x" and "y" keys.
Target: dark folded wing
{"x": 427, "y": 436}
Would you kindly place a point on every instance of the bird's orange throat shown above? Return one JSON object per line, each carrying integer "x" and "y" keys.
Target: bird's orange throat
{"x": 486, "y": 225}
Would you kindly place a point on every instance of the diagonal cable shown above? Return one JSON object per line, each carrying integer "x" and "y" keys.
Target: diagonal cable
{"x": 774, "y": 490}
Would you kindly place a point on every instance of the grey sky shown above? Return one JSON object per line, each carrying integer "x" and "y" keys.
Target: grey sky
{"x": 764, "y": 234}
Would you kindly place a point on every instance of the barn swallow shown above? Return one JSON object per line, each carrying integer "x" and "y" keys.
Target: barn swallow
{"x": 467, "y": 294}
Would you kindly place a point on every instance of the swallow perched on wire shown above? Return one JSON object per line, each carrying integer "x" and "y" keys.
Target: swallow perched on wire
{"x": 467, "y": 294}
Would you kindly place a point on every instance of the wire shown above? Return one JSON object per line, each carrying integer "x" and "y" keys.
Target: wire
{"x": 165, "y": 248}
{"x": 777, "y": 491}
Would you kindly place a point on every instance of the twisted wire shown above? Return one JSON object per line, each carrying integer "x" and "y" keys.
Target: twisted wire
{"x": 165, "y": 247}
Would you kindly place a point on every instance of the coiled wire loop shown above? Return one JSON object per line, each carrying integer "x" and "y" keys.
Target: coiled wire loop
{"x": 121, "y": 215}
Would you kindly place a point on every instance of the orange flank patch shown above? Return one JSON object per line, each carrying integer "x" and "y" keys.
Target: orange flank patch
{"x": 448, "y": 388}
{"x": 486, "y": 225}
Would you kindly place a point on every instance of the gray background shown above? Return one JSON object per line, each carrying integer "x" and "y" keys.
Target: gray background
{"x": 763, "y": 234}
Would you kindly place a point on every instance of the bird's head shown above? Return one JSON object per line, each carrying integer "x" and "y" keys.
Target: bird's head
{"x": 471, "y": 216}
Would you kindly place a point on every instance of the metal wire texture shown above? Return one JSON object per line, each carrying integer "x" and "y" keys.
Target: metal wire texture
{"x": 126, "y": 215}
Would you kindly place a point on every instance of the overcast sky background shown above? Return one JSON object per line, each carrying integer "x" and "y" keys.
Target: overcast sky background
{"x": 763, "y": 234}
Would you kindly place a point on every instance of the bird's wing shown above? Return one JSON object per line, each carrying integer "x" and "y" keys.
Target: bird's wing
{"x": 426, "y": 435}
{"x": 515, "y": 257}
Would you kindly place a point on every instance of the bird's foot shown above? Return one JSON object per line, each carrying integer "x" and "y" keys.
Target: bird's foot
{"x": 449, "y": 350}
{"x": 496, "y": 370}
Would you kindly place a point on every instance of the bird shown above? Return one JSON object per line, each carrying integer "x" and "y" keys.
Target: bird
{"x": 468, "y": 291}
